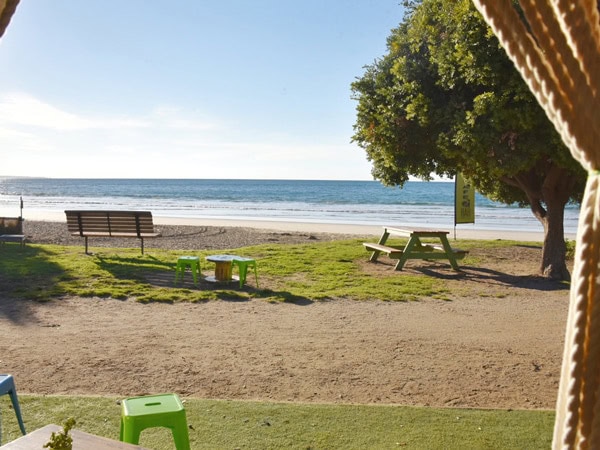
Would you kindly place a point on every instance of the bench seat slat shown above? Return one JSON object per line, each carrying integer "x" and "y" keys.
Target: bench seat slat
{"x": 392, "y": 252}
{"x": 396, "y": 253}
{"x": 458, "y": 253}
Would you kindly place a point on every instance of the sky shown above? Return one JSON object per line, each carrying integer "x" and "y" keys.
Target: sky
{"x": 187, "y": 88}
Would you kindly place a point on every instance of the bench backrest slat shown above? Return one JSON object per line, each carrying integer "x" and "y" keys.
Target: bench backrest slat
{"x": 11, "y": 225}
{"x": 111, "y": 222}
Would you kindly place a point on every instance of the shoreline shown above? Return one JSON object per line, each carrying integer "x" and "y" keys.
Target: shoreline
{"x": 310, "y": 227}
{"x": 341, "y": 228}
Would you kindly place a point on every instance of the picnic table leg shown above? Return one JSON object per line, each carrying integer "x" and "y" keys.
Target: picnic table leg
{"x": 410, "y": 245}
{"x": 382, "y": 240}
{"x": 449, "y": 252}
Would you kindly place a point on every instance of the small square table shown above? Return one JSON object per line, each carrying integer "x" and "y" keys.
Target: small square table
{"x": 222, "y": 268}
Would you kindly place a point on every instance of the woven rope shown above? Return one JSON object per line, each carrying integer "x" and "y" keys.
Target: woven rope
{"x": 575, "y": 403}
{"x": 529, "y": 59}
{"x": 571, "y": 81}
{"x": 7, "y": 9}
{"x": 559, "y": 58}
{"x": 582, "y": 30}
{"x": 583, "y": 35}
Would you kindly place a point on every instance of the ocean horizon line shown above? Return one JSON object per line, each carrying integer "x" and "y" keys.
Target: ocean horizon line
{"x": 415, "y": 180}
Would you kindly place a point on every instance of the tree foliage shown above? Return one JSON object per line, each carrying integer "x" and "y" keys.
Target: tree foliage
{"x": 446, "y": 98}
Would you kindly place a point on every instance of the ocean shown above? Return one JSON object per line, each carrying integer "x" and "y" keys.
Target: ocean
{"x": 429, "y": 204}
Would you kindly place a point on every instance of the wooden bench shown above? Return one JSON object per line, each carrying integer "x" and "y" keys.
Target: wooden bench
{"x": 392, "y": 252}
{"x": 11, "y": 230}
{"x": 122, "y": 224}
{"x": 458, "y": 253}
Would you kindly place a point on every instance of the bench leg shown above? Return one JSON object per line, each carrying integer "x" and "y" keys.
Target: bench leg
{"x": 410, "y": 245}
{"x": 374, "y": 256}
{"x": 86, "y": 245}
{"x": 449, "y": 253}
{"x": 381, "y": 241}
{"x": 142, "y": 239}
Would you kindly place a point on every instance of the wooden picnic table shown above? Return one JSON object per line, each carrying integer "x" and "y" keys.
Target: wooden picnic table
{"x": 415, "y": 248}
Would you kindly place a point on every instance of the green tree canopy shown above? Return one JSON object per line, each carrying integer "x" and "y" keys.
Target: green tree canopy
{"x": 446, "y": 98}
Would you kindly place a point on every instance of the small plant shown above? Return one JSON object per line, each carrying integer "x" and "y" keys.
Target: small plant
{"x": 62, "y": 440}
{"x": 570, "y": 248}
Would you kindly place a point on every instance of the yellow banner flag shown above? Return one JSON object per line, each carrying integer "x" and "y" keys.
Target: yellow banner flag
{"x": 464, "y": 201}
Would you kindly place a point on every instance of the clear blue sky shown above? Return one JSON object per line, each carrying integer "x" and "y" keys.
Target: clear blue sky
{"x": 187, "y": 88}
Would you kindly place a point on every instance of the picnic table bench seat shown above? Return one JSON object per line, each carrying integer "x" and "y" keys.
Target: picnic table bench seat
{"x": 458, "y": 253}
{"x": 121, "y": 224}
{"x": 392, "y": 252}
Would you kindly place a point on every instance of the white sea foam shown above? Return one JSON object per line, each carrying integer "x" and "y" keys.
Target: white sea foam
{"x": 326, "y": 202}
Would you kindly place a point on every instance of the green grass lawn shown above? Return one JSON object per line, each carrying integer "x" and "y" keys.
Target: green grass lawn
{"x": 215, "y": 424}
{"x": 296, "y": 273}
{"x": 292, "y": 273}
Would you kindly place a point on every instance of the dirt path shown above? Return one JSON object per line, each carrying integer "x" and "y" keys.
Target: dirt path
{"x": 474, "y": 352}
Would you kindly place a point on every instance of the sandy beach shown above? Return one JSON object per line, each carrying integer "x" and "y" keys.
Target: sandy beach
{"x": 463, "y": 231}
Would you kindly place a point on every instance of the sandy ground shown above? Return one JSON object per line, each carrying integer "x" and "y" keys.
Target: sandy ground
{"x": 463, "y": 231}
{"x": 495, "y": 343}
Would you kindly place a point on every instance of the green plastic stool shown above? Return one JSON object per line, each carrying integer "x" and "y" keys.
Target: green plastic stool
{"x": 243, "y": 264}
{"x": 183, "y": 262}
{"x": 165, "y": 410}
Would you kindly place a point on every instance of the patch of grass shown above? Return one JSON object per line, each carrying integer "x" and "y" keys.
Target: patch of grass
{"x": 296, "y": 273}
{"x": 287, "y": 273}
{"x": 331, "y": 270}
{"x": 215, "y": 424}
{"x": 570, "y": 248}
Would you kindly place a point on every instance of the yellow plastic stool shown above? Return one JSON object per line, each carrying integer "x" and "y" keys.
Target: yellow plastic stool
{"x": 165, "y": 410}
{"x": 243, "y": 264}
{"x": 183, "y": 262}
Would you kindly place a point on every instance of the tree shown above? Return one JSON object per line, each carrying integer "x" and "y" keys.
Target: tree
{"x": 446, "y": 98}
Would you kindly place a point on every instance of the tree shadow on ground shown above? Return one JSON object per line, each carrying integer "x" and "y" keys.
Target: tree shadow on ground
{"x": 162, "y": 274}
{"x": 228, "y": 291}
{"x": 132, "y": 267}
{"x": 490, "y": 276}
{"x": 26, "y": 274}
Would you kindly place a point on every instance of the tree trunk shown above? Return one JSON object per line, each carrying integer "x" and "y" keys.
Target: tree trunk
{"x": 556, "y": 187}
{"x": 554, "y": 251}
{"x": 548, "y": 196}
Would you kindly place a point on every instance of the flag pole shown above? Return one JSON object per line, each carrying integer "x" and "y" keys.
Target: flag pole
{"x": 455, "y": 200}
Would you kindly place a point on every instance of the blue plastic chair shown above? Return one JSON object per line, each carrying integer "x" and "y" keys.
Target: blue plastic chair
{"x": 7, "y": 386}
